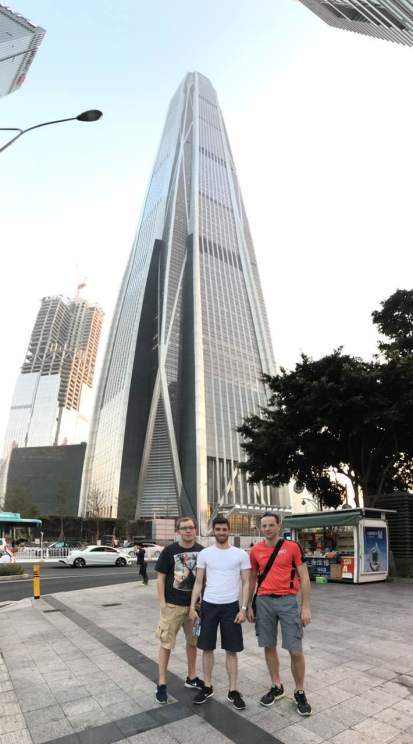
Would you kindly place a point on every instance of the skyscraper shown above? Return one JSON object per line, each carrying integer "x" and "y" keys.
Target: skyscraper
{"x": 189, "y": 341}
{"x": 19, "y": 42}
{"x": 385, "y": 19}
{"x": 52, "y": 401}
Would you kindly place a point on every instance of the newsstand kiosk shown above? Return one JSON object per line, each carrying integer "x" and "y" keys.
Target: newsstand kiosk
{"x": 349, "y": 545}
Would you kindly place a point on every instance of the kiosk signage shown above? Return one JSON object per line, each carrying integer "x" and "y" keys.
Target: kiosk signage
{"x": 375, "y": 549}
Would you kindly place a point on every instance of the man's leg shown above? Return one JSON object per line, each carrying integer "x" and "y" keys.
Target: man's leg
{"x": 298, "y": 669}
{"x": 273, "y": 664}
{"x": 164, "y": 654}
{"x": 208, "y": 665}
{"x": 191, "y": 659}
{"x": 231, "y": 663}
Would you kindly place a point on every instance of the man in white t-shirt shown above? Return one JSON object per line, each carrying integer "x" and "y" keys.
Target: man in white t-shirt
{"x": 221, "y": 566}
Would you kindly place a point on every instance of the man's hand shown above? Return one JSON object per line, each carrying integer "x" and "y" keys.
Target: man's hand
{"x": 193, "y": 615}
{"x": 250, "y": 615}
{"x": 241, "y": 617}
{"x": 305, "y": 616}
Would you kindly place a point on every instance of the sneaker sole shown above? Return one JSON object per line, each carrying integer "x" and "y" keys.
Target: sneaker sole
{"x": 305, "y": 715}
{"x": 201, "y": 702}
{"x": 268, "y": 705}
{"x": 236, "y": 708}
{"x": 161, "y": 702}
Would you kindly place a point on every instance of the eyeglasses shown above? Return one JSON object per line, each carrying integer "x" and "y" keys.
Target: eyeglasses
{"x": 187, "y": 528}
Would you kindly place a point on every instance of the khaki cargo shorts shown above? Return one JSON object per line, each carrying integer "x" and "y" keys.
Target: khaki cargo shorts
{"x": 172, "y": 619}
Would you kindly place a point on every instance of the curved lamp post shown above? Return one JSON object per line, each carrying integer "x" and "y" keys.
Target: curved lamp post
{"x": 92, "y": 115}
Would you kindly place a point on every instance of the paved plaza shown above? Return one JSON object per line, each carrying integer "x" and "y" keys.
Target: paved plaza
{"x": 79, "y": 667}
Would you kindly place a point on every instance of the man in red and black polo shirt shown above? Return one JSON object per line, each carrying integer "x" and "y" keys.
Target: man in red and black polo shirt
{"x": 277, "y": 603}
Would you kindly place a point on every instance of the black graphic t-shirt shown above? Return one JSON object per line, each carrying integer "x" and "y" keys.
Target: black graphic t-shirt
{"x": 179, "y": 566}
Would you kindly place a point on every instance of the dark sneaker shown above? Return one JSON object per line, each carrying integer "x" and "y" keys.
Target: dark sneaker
{"x": 203, "y": 695}
{"x": 275, "y": 693}
{"x": 161, "y": 695}
{"x": 235, "y": 698}
{"x": 303, "y": 706}
{"x": 195, "y": 683}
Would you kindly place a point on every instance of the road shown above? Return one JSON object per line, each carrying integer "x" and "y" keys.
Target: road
{"x": 58, "y": 578}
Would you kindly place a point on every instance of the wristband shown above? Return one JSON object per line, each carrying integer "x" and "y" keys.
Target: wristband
{"x": 243, "y": 608}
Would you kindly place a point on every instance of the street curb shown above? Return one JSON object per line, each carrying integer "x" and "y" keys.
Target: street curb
{"x": 14, "y": 577}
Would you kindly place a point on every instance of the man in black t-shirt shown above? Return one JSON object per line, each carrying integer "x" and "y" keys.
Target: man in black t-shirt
{"x": 176, "y": 568}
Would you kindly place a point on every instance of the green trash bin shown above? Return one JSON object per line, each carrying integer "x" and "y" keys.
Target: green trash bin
{"x": 321, "y": 579}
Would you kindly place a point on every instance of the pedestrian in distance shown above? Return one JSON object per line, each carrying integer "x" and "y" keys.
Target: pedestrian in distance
{"x": 277, "y": 573}
{"x": 220, "y": 567}
{"x": 176, "y": 577}
{"x": 140, "y": 559}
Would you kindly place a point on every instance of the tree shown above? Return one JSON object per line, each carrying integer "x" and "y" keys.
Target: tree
{"x": 96, "y": 507}
{"x": 395, "y": 320}
{"x": 336, "y": 415}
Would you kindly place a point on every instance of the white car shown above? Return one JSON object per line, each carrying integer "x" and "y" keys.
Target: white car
{"x": 96, "y": 555}
{"x": 152, "y": 550}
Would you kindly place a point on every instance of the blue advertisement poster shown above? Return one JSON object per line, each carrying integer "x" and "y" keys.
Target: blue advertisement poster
{"x": 375, "y": 549}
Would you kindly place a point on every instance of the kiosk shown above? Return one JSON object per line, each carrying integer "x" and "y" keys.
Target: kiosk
{"x": 350, "y": 545}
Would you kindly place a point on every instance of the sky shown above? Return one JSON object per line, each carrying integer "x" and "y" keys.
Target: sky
{"x": 320, "y": 124}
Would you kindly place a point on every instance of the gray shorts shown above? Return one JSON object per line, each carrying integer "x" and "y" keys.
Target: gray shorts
{"x": 270, "y": 610}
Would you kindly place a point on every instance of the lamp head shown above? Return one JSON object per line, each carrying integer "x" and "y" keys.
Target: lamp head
{"x": 92, "y": 115}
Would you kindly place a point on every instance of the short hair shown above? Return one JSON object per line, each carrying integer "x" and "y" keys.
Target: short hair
{"x": 272, "y": 514}
{"x": 220, "y": 520}
{"x": 184, "y": 519}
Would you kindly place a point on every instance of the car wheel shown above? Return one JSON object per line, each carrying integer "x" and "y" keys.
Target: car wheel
{"x": 120, "y": 562}
{"x": 79, "y": 563}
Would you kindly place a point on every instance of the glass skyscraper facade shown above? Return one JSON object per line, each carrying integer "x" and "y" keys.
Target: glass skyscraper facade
{"x": 189, "y": 341}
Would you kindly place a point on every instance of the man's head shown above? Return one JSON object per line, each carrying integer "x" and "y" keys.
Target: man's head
{"x": 220, "y": 528}
{"x": 186, "y": 528}
{"x": 270, "y": 525}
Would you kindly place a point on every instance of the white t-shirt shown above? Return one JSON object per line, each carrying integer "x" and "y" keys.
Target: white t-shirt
{"x": 5, "y": 558}
{"x": 223, "y": 568}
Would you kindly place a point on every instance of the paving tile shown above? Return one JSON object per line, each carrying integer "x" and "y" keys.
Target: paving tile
{"x": 9, "y": 724}
{"x": 43, "y": 715}
{"x": 396, "y": 718}
{"x": 8, "y": 709}
{"x": 325, "y": 724}
{"x": 21, "y": 736}
{"x": 78, "y": 707}
{"x": 31, "y": 699}
{"x": 51, "y": 730}
{"x": 70, "y": 693}
{"x": 297, "y": 734}
{"x": 349, "y": 737}
{"x": 392, "y": 688}
{"x": 405, "y": 705}
{"x": 376, "y": 731}
{"x": 122, "y": 709}
{"x": 91, "y": 719}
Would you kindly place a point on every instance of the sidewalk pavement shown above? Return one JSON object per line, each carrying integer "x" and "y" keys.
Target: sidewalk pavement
{"x": 79, "y": 668}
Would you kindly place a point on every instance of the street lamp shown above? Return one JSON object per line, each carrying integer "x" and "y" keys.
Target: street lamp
{"x": 92, "y": 115}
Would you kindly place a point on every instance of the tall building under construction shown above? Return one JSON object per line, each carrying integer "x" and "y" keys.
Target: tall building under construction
{"x": 52, "y": 401}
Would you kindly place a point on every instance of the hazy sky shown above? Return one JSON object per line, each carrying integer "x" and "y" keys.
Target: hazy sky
{"x": 320, "y": 124}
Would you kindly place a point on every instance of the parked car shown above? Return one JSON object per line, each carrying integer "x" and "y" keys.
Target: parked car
{"x": 96, "y": 555}
{"x": 59, "y": 544}
{"x": 152, "y": 550}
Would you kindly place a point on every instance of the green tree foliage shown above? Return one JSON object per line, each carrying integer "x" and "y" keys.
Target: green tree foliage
{"x": 339, "y": 415}
{"x": 395, "y": 320}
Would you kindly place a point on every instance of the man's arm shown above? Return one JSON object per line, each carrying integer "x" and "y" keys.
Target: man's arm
{"x": 245, "y": 581}
{"x": 196, "y": 593}
{"x": 160, "y": 585}
{"x": 305, "y": 594}
{"x": 252, "y": 585}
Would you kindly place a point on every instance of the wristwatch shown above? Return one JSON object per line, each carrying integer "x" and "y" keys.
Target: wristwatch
{"x": 244, "y": 608}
